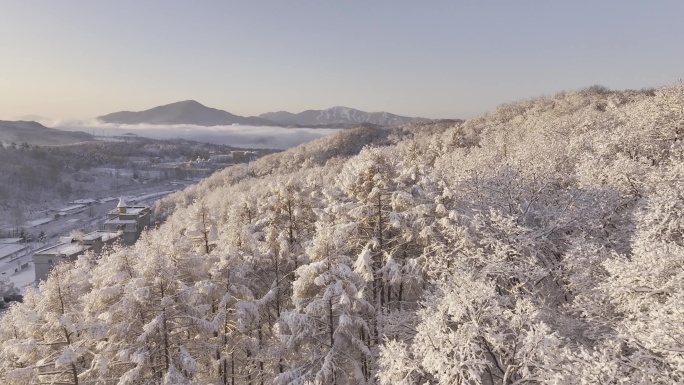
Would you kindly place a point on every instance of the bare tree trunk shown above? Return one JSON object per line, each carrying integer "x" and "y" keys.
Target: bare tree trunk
{"x": 165, "y": 332}
{"x": 232, "y": 368}
{"x": 74, "y": 373}
{"x": 331, "y": 328}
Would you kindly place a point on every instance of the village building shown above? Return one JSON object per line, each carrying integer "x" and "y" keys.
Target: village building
{"x": 130, "y": 220}
{"x": 45, "y": 259}
{"x": 222, "y": 158}
{"x": 70, "y": 249}
{"x": 243, "y": 156}
{"x": 97, "y": 240}
{"x": 124, "y": 224}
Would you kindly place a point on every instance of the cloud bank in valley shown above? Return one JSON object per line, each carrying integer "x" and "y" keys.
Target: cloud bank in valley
{"x": 236, "y": 136}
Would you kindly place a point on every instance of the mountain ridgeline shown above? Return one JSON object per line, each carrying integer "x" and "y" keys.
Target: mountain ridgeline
{"x": 541, "y": 243}
{"x": 186, "y": 112}
{"x": 192, "y": 112}
{"x": 336, "y": 116}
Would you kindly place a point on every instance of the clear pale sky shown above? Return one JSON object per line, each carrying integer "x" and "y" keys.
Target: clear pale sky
{"x": 451, "y": 59}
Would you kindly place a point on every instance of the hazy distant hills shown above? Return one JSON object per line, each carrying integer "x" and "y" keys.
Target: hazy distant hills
{"x": 336, "y": 116}
{"x": 186, "y": 112}
{"x": 192, "y": 112}
{"x": 36, "y": 134}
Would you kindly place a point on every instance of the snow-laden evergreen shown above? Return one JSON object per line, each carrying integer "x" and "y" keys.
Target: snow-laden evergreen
{"x": 541, "y": 243}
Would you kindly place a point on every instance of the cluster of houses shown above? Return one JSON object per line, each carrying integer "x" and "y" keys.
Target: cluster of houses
{"x": 234, "y": 157}
{"x": 124, "y": 224}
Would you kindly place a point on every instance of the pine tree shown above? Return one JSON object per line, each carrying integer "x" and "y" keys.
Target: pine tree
{"x": 326, "y": 330}
{"x": 54, "y": 344}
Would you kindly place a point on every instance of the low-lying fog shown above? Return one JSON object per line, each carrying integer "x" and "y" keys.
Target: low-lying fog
{"x": 236, "y": 136}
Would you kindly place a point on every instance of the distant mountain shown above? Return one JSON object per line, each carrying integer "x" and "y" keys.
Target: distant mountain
{"x": 36, "y": 134}
{"x": 336, "y": 116}
{"x": 36, "y": 118}
{"x": 186, "y": 112}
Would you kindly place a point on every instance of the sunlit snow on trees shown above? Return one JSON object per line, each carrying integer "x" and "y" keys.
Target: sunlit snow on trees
{"x": 542, "y": 243}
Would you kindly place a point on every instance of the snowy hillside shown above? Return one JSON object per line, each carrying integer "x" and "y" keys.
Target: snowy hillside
{"x": 542, "y": 243}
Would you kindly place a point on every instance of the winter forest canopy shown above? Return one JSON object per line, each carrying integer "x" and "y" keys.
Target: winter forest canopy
{"x": 542, "y": 243}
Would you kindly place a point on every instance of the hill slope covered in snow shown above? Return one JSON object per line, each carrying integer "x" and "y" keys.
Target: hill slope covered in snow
{"x": 539, "y": 243}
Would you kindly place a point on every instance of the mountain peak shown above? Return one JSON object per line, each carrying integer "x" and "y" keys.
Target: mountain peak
{"x": 188, "y": 103}
{"x": 183, "y": 112}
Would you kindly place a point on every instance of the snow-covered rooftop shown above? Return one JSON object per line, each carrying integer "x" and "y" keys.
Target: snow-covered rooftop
{"x": 130, "y": 210}
{"x": 38, "y": 222}
{"x": 83, "y": 201}
{"x": 10, "y": 240}
{"x": 149, "y": 196}
{"x": 121, "y": 221}
{"x": 7, "y": 249}
{"x": 63, "y": 249}
{"x": 105, "y": 235}
{"x": 71, "y": 208}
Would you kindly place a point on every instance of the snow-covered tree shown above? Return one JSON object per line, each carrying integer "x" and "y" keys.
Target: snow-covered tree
{"x": 45, "y": 338}
{"x": 202, "y": 227}
{"x": 325, "y": 333}
{"x": 647, "y": 287}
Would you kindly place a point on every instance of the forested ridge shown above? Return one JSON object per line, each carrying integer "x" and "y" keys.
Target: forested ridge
{"x": 541, "y": 243}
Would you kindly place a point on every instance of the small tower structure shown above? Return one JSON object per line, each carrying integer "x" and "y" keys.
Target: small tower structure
{"x": 121, "y": 206}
